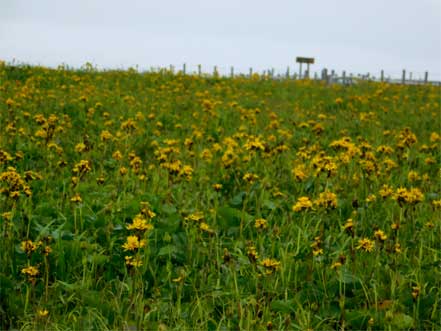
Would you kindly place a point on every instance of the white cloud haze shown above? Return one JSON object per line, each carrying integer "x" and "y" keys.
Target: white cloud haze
{"x": 356, "y": 36}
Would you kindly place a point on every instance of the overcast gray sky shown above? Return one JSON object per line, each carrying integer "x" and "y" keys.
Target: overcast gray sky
{"x": 356, "y": 36}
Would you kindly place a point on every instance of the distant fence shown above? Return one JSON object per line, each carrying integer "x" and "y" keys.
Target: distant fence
{"x": 330, "y": 76}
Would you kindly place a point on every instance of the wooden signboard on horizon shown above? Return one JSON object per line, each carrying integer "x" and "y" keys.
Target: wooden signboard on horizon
{"x": 308, "y": 60}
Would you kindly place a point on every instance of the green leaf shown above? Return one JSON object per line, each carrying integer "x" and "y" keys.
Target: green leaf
{"x": 167, "y": 250}
{"x": 347, "y": 277}
{"x": 98, "y": 259}
{"x": 169, "y": 224}
{"x": 268, "y": 204}
{"x": 6, "y": 285}
{"x": 357, "y": 319}
{"x": 168, "y": 209}
{"x": 238, "y": 199}
{"x": 282, "y": 306}
{"x": 402, "y": 321}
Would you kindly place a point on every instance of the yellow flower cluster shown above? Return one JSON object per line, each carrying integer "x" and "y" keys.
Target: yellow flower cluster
{"x": 303, "y": 203}
{"x": 366, "y": 245}
{"x": 411, "y": 196}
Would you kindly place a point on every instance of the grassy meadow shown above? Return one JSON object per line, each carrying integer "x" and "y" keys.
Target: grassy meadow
{"x": 161, "y": 201}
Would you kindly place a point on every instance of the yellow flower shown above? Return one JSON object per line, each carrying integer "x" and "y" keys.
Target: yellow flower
{"x": 80, "y": 147}
{"x": 195, "y": 217}
{"x": 133, "y": 262}
{"x": 386, "y": 191}
{"x": 106, "y": 135}
{"x": 117, "y": 155}
{"x": 412, "y": 196}
{"x": 366, "y": 245}
{"x": 348, "y": 225}
{"x": 260, "y": 223}
{"x": 327, "y": 200}
{"x": 299, "y": 173}
{"x": 252, "y": 253}
{"x": 205, "y": 227}
{"x": 336, "y": 265}
{"x": 133, "y": 243}
{"x": 47, "y": 250}
{"x": 254, "y": 143}
{"x": 217, "y": 187}
{"x": 76, "y": 198}
{"x": 81, "y": 167}
{"x": 250, "y": 178}
{"x": 139, "y": 223}
{"x": 186, "y": 171}
{"x": 413, "y": 176}
{"x": 317, "y": 251}
{"x": 28, "y": 246}
{"x": 30, "y": 271}
{"x": 178, "y": 280}
{"x": 379, "y": 234}
{"x": 271, "y": 264}
{"x": 123, "y": 171}
{"x": 42, "y": 312}
{"x": 436, "y": 203}
{"x": 371, "y": 198}
{"x": 303, "y": 203}
{"x": 415, "y": 292}
{"x": 7, "y": 215}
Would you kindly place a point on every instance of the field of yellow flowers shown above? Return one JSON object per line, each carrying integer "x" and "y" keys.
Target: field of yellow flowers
{"x": 161, "y": 201}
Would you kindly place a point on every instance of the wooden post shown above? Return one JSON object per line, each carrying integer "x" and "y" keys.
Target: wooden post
{"x": 199, "y": 70}
{"x": 382, "y": 76}
{"x": 325, "y": 74}
{"x": 403, "y": 78}
{"x": 251, "y": 72}
{"x": 426, "y": 77}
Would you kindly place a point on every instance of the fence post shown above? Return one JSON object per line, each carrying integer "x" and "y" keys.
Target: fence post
{"x": 382, "y": 75}
{"x": 403, "y": 78}
{"x": 426, "y": 77}
{"x": 325, "y": 75}
{"x": 199, "y": 70}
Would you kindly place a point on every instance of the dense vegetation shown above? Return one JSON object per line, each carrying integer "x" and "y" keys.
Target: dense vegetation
{"x": 167, "y": 202}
